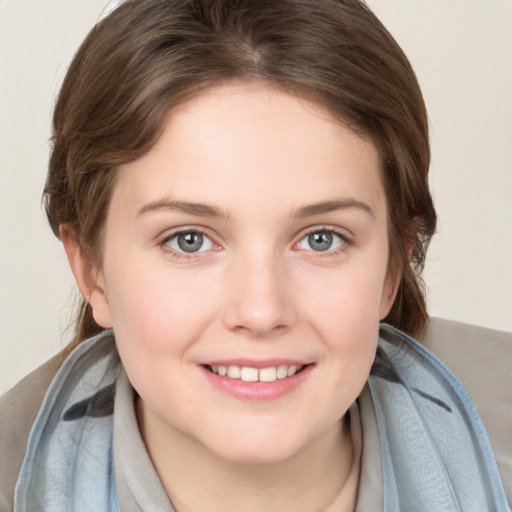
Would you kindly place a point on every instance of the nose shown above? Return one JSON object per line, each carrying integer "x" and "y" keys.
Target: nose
{"x": 259, "y": 298}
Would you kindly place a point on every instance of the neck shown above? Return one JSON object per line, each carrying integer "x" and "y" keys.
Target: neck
{"x": 318, "y": 477}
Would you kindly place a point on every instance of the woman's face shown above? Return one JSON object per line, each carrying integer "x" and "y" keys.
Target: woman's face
{"x": 251, "y": 240}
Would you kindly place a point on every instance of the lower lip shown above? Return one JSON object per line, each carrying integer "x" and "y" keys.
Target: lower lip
{"x": 258, "y": 390}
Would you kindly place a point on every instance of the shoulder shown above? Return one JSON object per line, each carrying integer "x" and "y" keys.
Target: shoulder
{"x": 18, "y": 410}
{"x": 481, "y": 359}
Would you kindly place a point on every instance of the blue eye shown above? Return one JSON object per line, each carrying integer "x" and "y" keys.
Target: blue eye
{"x": 320, "y": 241}
{"x": 190, "y": 242}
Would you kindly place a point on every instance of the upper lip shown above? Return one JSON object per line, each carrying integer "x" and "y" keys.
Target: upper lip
{"x": 258, "y": 364}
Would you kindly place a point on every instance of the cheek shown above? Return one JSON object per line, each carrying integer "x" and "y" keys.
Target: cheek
{"x": 346, "y": 321}
{"x": 346, "y": 301}
{"x": 346, "y": 316}
{"x": 155, "y": 321}
{"x": 156, "y": 314}
{"x": 153, "y": 298}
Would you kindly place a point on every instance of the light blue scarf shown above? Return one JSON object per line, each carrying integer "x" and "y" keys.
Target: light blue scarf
{"x": 68, "y": 465}
{"x": 436, "y": 456}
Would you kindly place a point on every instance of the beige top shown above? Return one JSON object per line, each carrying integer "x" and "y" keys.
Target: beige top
{"x": 480, "y": 358}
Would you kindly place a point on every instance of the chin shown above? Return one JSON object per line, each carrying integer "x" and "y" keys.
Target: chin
{"x": 256, "y": 446}
{"x": 257, "y": 454}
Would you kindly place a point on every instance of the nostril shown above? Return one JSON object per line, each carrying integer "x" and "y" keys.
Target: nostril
{"x": 260, "y": 330}
{"x": 258, "y": 314}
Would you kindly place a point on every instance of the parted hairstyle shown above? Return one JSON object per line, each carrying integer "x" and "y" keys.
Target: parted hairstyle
{"x": 149, "y": 55}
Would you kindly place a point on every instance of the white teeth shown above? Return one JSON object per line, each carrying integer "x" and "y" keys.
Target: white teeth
{"x": 268, "y": 374}
{"x": 292, "y": 370}
{"x": 248, "y": 374}
{"x": 234, "y": 372}
{"x": 282, "y": 372}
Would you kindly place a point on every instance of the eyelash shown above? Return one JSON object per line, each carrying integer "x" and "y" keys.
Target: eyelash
{"x": 346, "y": 242}
{"x": 178, "y": 254}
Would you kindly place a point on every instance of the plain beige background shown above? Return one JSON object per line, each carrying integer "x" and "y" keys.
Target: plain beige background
{"x": 462, "y": 53}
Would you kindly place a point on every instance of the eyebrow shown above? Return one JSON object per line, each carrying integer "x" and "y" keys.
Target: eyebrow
{"x": 197, "y": 209}
{"x": 332, "y": 206}
{"x": 206, "y": 210}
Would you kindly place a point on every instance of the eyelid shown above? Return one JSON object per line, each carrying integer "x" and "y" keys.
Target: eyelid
{"x": 163, "y": 241}
{"x": 346, "y": 237}
{"x": 341, "y": 232}
{"x": 170, "y": 234}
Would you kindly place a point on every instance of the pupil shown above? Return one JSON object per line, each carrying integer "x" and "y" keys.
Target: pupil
{"x": 190, "y": 242}
{"x": 320, "y": 241}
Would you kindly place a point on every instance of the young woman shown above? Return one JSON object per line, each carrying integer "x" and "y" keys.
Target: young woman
{"x": 241, "y": 190}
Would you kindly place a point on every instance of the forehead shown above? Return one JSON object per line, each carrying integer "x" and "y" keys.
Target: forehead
{"x": 249, "y": 138}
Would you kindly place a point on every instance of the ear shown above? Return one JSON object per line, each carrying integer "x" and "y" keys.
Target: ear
{"x": 389, "y": 291}
{"x": 88, "y": 277}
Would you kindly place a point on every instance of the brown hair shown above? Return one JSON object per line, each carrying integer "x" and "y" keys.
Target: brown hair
{"x": 149, "y": 55}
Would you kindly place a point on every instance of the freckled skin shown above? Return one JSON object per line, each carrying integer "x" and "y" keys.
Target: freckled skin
{"x": 257, "y": 288}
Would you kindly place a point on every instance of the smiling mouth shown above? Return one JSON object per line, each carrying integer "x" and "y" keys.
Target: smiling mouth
{"x": 248, "y": 374}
